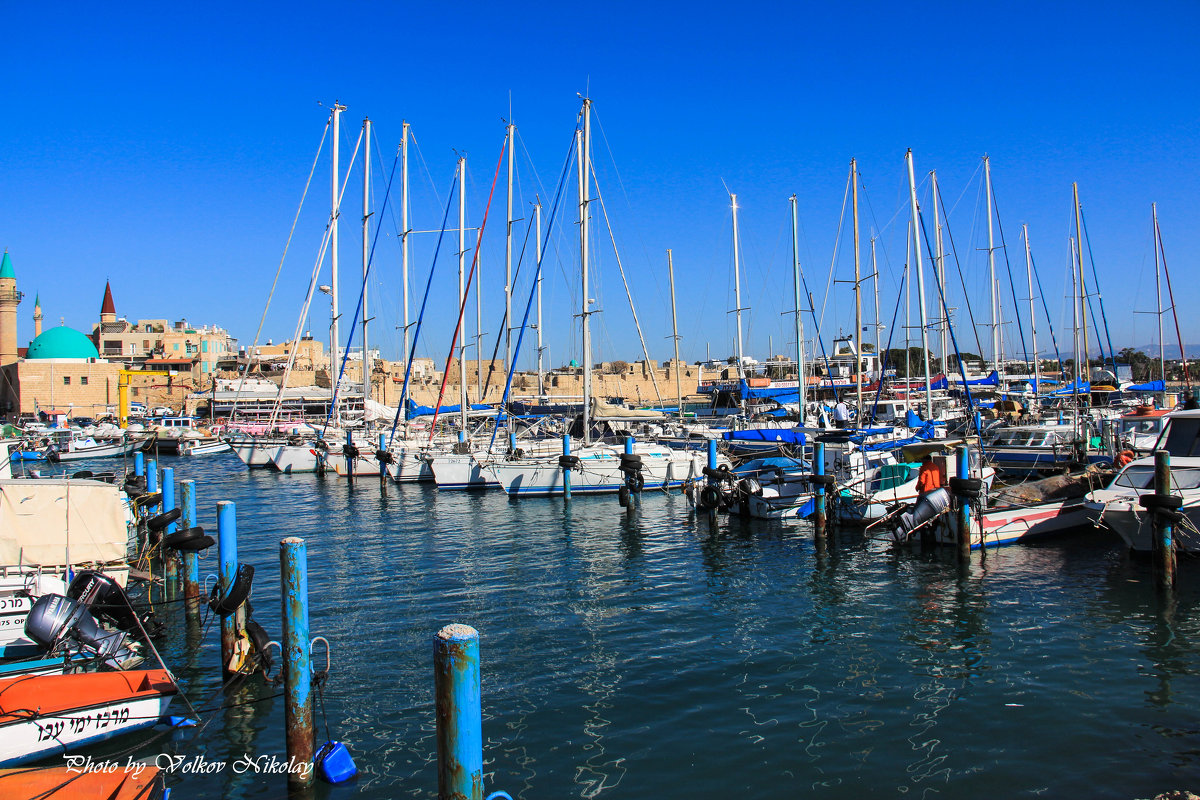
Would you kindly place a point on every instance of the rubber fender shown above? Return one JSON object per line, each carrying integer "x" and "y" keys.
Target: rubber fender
{"x": 1155, "y": 501}
{"x": 83, "y": 473}
{"x": 822, "y": 480}
{"x": 182, "y": 540}
{"x": 716, "y": 474}
{"x": 148, "y": 499}
{"x": 623, "y": 496}
{"x": 568, "y": 462}
{"x": 385, "y": 457}
{"x": 710, "y": 497}
{"x": 195, "y": 545}
{"x": 635, "y": 481}
{"x": 258, "y": 640}
{"x": 164, "y": 519}
{"x": 631, "y": 460}
{"x": 238, "y": 593}
{"x": 350, "y": 451}
{"x": 965, "y": 486}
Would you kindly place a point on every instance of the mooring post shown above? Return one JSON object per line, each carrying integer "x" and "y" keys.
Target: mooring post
{"x": 512, "y": 442}
{"x": 712, "y": 453}
{"x": 383, "y": 441}
{"x": 1164, "y": 551}
{"x": 818, "y": 469}
{"x": 170, "y": 562}
{"x": 139, "y": 463}
{"x": 964, "y": 506}
{"x": 297, "y": 658}
{"x": 191, "y": 559}
{"x": 151, "y": 483}
{"x": 628, "y": 445}
{"x": 228, "y": 555}
{"x": 566, "y": 470}
{"x": 459, "y": 713}
{"x": 349, "y": 458}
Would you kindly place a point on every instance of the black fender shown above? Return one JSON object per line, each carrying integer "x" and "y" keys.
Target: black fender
{"x": 238, "y": 593}
{"x": 164, "y": 519}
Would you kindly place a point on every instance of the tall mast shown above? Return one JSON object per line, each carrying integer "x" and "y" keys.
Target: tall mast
{"x": 478, "y": 316}
{"x": 939, "y": 264}
{"x": 858, "y": 401}
{"x": 508, "y": 322}
{"x": 737, "y": 288}
{"x": 366, "y": 218}
{"x": 916, "y": 228}
{"x": 675, "y": 335}
{"x": 404, "y": 231}
{"x": 801, "y": 384}
{"x": 537, "y": 216}
{"x": 1082, "y": 283}
{"x": 584, "y": 152}
{"x": 877, "y": 326}
{"x": 1075, "y": 351}
{"x": 333, "y": 251}
{"x": 1037, "y": 375}
{"x": 1162, "y": 356}
{"x": 987, "y": 174}
{"x": 462, "y": 291}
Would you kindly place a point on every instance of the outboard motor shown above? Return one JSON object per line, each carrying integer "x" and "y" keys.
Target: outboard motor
{"x": 105, "y": 599}
{"x": 57, "y": 622}
{"x": 929, "y": 506}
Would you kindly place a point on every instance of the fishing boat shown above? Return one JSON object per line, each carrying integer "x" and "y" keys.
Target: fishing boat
{"x": 127, "y": 781}
{"x": 69, "y": 446}
{"x": 1139, "y": 430}
{"x": 49, "y": 715}
{"x": 597, "y": 469}
{"x": 193, "y": 447}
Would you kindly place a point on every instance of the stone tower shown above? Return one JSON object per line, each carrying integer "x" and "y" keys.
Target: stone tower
{"x": 37, "y": 316}
{"x": 10, "y": 298}
{"x": 108, "y": 311}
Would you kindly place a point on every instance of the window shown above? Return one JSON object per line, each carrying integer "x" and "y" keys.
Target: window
{"x": 83, "y": 381}
{"x": 146, "y": 345}
{"x": 66, "y": 380}
{"x": 203, "y": 347}
{"x": 175, "y": 346}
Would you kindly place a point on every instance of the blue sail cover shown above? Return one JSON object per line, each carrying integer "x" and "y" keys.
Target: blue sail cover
{"x": 415, "y": 410}
{"x": 769, "y": 392}
{"x": 781, "y": 435}
{"x": 1075, "y": 387}
{"x": 1152, "y": 386}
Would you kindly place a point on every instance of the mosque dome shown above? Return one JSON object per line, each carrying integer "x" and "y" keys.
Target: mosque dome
{"x": 61, "y": 342}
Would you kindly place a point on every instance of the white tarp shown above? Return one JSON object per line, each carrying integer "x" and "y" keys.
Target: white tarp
{"x": 608, "y": 411}
{"x": 42, "y": 519}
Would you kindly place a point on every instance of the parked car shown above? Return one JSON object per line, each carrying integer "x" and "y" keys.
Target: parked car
{"x": 161, "y": 411}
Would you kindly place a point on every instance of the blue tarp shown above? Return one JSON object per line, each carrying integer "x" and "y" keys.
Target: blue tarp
{"x": 1152, "y": 386}
{"x": 774, "y": 393}
{"x": 1075, "y": 387}
{"x": 782, "y": 435}
{"x": 415, "y": 410}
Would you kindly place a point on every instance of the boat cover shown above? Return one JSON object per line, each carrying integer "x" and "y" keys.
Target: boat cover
{"x": 41, "y": 520}
{"x": 782, "y": 435}
{"x": 608, "y": 411}
{"x": 1152, "y": 386}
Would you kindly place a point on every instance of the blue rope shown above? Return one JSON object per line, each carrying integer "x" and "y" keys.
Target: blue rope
{"x": 358, "y": 307}
{"x": 424, "y": 300}
{"x": 512, "y": 368}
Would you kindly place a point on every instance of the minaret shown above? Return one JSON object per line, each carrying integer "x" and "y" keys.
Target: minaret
{"x": 37, "y": 316}
{"x": 10, "y": 298}
{"x": 108, "y": 311}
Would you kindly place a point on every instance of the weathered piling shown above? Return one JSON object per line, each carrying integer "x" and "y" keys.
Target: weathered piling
{"x": 170, "y": 561}
{"x": 963, "y": 463}
{"x": 151, "y": 484}
{"x": 349, "y": 451}
{"x": 566, "y": 469}
{"x": 227, "y": 552}
{"x": 1164, "y": 512}
{"x": 459, "y": 712}
{"x": 191, "y": 559}
{"x": 297, "y": 658}
{"x": 818, "y": 471}
{"x": 139, "y": 463}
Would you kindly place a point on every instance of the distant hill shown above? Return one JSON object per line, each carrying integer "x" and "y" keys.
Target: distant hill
{"x": 1171, "y": 351}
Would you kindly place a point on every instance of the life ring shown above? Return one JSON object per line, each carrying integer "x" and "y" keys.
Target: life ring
{"x": 238, "y": 593}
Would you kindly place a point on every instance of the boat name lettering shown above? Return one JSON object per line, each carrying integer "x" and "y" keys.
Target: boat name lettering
{"x": 14, "y": 604}
{"x": 76, "y": 726}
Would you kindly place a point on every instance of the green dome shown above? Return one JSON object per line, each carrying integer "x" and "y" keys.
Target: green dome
{"x": 61, "y": 342}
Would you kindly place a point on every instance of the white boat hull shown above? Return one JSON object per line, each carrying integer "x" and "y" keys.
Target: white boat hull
{"x": 34, "y": 739}
{"x": 598, "y": 473}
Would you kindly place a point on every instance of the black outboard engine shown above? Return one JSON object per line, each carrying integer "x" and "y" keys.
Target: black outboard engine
{"x": 929, "y": 506}
{"x": 58, "y": 623}
{"x": 107, "y": 601}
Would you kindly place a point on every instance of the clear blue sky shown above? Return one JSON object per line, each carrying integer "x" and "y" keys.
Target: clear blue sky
{"x": 165, "y": 147}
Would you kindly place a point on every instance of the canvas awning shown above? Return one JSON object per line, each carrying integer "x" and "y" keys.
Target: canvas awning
{"x": 42, "y": 520}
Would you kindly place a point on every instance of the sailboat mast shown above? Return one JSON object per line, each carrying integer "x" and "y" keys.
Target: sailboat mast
{"x": 916, "y": 229}
{"x": 333, "y": 250}
{"x": 1162, "y": 355}
{"x": 404, "y": 231}
{"x": 737, "y": 289}
{"x": 462, "y": 291}
{"x": 858, "y": 401}
{"x": 1075, "y": 353}
{"x": 878, "y": 327}
{"x": 478, "y": 316}
{"x": 1037, "y": 375}
{"x": 939, "y": 264}
{"x": 801, "y": 384}
{"x": 537, "y": 216}
{"x": 1082, "y": 283}
{"x": 675, "y": 336}
{"x": 366, "y": 218}
{"x": 585, "y": 169}
{"x": 995, "y": 302}
{"x": 508, "y": 232}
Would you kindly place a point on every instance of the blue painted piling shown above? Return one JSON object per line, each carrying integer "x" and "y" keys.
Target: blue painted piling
{"x": 170, "y": 561}
{"x": 151, "y": 483}
{"x": 349, "y": 458}
{"x": 297, "y": 658}
{"x": 963, "y": 464}
{"x": 1164, "y": 550}
{"x": 459, "y": 712}
{"x": 227, "y": 553}
{"x": 191, "y": 559}
{"x": 818, "y": 468}
{"x": 712, "y": 453}
{"x": 512, "y": 442}
{"x": 566, "y": 470}
{"x": 139, "y": 463}
{"x": 628, "y": 445}
{"x": 383, "y": 441}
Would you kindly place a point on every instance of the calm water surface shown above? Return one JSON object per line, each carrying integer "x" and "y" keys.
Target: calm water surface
{"x": 653, "y": 653}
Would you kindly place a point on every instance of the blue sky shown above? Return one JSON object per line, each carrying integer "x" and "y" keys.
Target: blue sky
{"x": 165, "y": 149}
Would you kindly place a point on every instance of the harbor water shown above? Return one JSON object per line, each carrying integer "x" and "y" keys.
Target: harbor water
{"x": 658, "y": 653}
